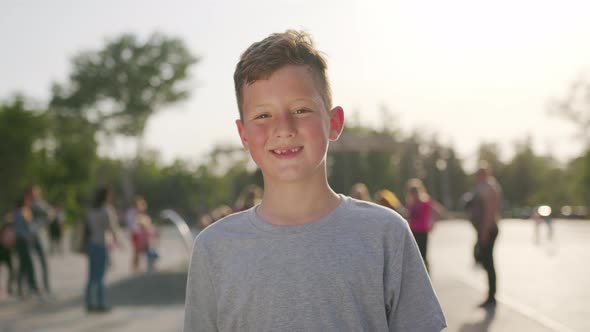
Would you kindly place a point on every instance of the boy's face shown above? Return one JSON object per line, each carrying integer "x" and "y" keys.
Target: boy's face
{"x": 286, "y": 127}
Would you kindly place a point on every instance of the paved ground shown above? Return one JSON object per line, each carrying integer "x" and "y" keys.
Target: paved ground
{"x": 142, "y": 302}
{"x": 542, "y": 287}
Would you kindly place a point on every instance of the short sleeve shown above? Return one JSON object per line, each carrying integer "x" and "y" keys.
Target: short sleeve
{"x": 200, "y": 309}
{"x": 413, "y": 305}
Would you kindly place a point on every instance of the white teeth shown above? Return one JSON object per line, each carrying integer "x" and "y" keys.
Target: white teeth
{"x": 293, "y": 150}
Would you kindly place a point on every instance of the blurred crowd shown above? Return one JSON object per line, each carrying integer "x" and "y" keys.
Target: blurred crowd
{"x": 36, "y": 229}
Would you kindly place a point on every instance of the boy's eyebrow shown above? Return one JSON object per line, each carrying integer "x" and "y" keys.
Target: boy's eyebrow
{"x": 304, "y": 99}
{"x": 263, "y": 105}
{"x": 315, "y": 101}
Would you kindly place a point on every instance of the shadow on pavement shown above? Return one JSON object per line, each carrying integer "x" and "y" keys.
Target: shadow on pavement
{"x": 161, "y": 288}
{"x": 481, "y": 326}
{"x": 151, "y": 289}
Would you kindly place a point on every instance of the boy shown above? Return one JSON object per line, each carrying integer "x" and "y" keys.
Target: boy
{"x": 305, "y": 258}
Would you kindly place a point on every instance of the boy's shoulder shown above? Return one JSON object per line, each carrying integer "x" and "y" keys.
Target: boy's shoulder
{"x": 234, "y": 223}
{"x": 372, "y": 215}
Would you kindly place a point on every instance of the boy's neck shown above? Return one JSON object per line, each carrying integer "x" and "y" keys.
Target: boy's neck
{"x": 291, "y": 204}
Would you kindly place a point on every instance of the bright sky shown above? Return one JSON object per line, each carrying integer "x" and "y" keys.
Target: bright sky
{"x": 467, "y": 70}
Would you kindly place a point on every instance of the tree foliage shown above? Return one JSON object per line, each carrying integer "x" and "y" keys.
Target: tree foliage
{"x": 22, "y": 129}
{"x": 115, "y": 90}
{"x": 575, "y": 108}
{"x": 121, "y": 85}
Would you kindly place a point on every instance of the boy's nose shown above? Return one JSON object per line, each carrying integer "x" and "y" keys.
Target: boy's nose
{"x": 285, "y": 125}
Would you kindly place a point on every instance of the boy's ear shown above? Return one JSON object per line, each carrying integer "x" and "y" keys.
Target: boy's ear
{"x": 336, "y": 122}
{"x": 243, "y": 137}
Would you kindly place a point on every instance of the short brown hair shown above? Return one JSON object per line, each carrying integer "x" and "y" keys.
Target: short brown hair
{"x": 265, "y": 57}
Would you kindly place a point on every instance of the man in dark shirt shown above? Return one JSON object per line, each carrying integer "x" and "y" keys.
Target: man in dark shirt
{"x": 485, "y": 214}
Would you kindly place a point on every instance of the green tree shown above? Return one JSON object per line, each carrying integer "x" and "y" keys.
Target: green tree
{"x": 72, "y": 165}
{"x": 584, "y": 184}
{"x": 575, "y": 107}
{"x": 490, "y": 152}
{"x": 530, "y": 179}
{"x": 445, "y": 178}
{"x": 22, "y": 129}
{"x": 413, "y": 151}
{"x": 118, "y": 87}
{"x": 363, "y": 154}
{"x": 578, "y": 179}
{"x": 552, "y": 183}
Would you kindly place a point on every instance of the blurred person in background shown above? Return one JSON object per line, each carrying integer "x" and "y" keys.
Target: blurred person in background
{"x": 101, "y": 220}
{"x": 23, "y": 223}
{"x": 148, "y": 238}
{"x": 360, "y": 191}
{"x": 466, "y": 202}
{"x": 42, "y": 213}
{"x": 388, "y": 199}
{"x": 485, "y": 213}
{"x": 144, "y": 237}
{"x": 56, "y": 231}
{"x": 249, "y": 197}
{"x": 205, "y": 220}
{"x": 421, "y": 212}
{"x": 221, "y": 211}
{"x": 542, "y": 215}
{"x": 138, "y": 207}
{"x": 7, "y": 246}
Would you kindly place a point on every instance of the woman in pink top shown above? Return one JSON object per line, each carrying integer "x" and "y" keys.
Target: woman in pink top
{"x": 421, "y": 212}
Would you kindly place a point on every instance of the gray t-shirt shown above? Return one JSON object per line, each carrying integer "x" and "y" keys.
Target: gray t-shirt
{"x": 100, "y": 221}
{"x": 356, "y": 269}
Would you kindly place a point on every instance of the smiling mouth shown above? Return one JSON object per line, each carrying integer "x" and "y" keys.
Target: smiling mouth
{"x": 287, "y": 151}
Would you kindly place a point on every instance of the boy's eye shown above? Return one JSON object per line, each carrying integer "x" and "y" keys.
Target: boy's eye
{"x": 302, "y": 110}
{"x": 261, "y": 116}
